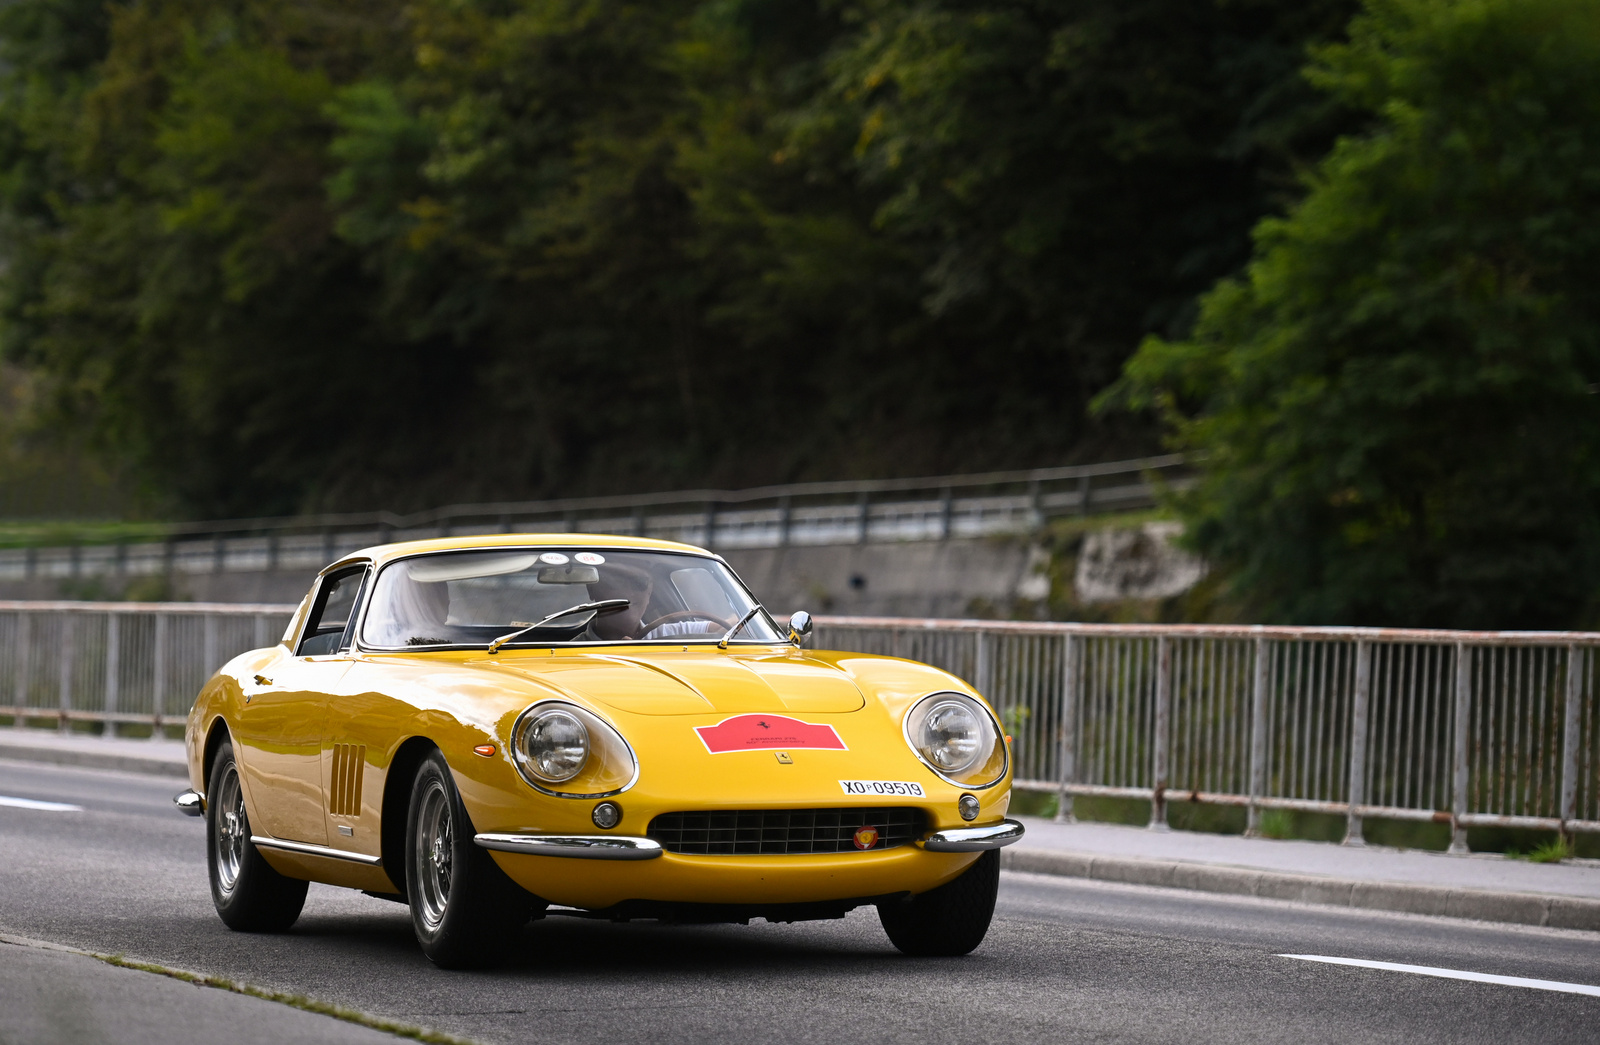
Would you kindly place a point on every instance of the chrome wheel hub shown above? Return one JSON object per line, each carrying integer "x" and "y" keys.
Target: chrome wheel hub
{"x": 232, "y": 831}
{"x": 433, "y": 856}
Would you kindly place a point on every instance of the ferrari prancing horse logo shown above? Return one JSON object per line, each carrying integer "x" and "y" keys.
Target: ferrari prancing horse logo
{"x": 866, "y": 837}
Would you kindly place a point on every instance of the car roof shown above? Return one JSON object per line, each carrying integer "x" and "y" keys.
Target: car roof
{"x": 380, "y": 554}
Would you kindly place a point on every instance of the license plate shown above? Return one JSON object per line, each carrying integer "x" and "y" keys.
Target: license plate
{"x": 907, "y": 788}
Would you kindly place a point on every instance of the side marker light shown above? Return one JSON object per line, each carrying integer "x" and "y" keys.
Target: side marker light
{"x": 486, "y": 750}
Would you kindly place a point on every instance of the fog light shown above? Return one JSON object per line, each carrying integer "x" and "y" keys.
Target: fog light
{"x": 968, "y": 806}
{"x": 608, "y": 815}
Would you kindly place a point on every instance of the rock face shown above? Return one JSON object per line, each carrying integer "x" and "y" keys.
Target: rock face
{"x": 1137, "y": 563}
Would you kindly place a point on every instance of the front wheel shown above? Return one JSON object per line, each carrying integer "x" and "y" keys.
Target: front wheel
{"x": 950, "y": 920}
{"x": 250, "y": 896}
{"x": 464, "y": 909}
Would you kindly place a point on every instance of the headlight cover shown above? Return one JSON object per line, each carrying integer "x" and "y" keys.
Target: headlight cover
{"x": 564, "y": 750}
{"x": 956, "y": 737}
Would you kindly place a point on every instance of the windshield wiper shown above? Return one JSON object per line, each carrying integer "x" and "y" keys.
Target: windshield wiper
{"x": 603, "y": 606}
{"x": 731, "y": 632}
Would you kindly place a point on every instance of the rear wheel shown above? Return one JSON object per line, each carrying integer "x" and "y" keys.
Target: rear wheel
{"x": 250, "y": 896}
{"x": 947, "y": 921}
{"x": 464, "y": 909}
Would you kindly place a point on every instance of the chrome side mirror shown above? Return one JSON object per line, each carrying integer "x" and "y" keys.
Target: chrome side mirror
{"x": 799, "y": 627}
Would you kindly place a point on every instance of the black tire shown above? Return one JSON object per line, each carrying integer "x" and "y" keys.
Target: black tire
{"x": 466, "y": 912}
{"x": 250, "y": 896}
{"x": 950, "y": 920}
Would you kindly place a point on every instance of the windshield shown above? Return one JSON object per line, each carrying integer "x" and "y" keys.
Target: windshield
{"x": 471, "y": 598}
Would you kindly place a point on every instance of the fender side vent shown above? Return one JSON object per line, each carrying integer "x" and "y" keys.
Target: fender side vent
{"x": 344, "y": 790}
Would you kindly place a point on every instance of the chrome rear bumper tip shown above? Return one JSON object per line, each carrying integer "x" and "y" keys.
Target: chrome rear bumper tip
{"x": 973, "y": 839}
{"x": 584, "y": 847}
{"x": 190, "y": 802}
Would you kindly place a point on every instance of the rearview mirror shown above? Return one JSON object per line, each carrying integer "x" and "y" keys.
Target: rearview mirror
{"x": 799, "y": 627}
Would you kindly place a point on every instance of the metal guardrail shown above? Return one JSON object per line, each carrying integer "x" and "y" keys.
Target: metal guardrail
{"x": 1465, "y": 728}
{"x": 115, "y": 662}
{"x": 773, "y": 516}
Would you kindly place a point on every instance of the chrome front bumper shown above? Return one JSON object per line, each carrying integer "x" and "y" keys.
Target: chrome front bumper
{"x": 190, "y": 802}
{"x": 626, "y": 847}
{"x": 973, "y": 839}
{"x": 584, "y": 847}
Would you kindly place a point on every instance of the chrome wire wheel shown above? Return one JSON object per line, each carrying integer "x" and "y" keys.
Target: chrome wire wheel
{"x": 433, "y": 854}
{"x": 233, "y": 830}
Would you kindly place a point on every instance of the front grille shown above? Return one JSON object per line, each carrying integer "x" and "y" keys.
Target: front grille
{"x": 783, "y": 832}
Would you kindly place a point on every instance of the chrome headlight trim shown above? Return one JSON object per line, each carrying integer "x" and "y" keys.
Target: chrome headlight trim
{"x": 984, "y": 712}
{"x": 514, "y": 749}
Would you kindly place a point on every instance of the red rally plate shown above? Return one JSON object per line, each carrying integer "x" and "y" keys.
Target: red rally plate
{"x": 759, "y": 732}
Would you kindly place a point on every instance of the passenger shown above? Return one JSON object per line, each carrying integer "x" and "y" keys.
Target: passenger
{"x": 412, "y": 612}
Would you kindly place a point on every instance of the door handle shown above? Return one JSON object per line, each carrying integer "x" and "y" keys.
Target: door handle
{"x": 262, "y": 680}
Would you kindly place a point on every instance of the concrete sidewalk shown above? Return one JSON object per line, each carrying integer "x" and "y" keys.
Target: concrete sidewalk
{"x": 155, "y": 757}
{"x": 1483, "y": 886}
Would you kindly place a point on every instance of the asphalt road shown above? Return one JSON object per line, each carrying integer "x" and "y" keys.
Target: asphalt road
{"x": 1065, "y": 961}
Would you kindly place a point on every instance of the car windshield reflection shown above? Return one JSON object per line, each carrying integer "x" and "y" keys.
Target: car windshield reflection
{"x": 472, "y": 598}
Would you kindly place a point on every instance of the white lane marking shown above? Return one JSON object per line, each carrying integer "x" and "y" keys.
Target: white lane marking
{"x": 1454, "y": 974}
{"x": 33, "y": 803}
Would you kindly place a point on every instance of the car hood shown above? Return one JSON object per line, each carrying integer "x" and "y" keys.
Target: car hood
{"x": 693, "y": 682}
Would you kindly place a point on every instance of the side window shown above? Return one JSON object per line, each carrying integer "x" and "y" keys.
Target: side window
{"x": 330, "y": 614}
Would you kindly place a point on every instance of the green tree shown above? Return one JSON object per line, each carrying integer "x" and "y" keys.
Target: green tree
{"x": 297, "y": 254}
{"x": 1396, "y": 405}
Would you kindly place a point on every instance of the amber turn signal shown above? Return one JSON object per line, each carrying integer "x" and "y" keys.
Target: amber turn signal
{"x": 486, "y": 750}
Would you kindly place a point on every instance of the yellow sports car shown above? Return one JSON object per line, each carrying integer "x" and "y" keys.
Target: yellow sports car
{"x": 486, "y": 728}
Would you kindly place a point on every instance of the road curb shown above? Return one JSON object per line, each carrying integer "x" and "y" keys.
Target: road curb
{"x": 1558, "y": 912}
{"x": 151, "y": 766}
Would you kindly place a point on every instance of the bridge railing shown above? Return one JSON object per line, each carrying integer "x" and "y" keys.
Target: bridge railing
{"x": 847, "y": 512}
{"x": 1465, "y": 728}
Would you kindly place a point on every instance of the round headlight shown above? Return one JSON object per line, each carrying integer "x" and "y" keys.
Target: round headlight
{"x": 554, "y": 745}
{"x": 951, "y": 736}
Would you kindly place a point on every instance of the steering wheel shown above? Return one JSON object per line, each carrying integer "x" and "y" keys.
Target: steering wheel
{"x": 678, "y": 615}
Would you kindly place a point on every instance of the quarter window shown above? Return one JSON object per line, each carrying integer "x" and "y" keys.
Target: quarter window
{"x": 330, "y": 614}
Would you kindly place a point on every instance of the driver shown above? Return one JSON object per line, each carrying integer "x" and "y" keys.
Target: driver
{"x": 618, "y": 581}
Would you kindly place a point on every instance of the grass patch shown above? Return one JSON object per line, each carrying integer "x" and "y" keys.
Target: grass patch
{"x": 298, "y": 1001}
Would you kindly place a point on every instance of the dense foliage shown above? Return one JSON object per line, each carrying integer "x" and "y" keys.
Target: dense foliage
{"x": 1397, "y": 402}
{"x": 285, "y": 254}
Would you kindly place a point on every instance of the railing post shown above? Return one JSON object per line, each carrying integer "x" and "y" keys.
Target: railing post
{"x": 1458, "y": 785}
{"x": 24, "y": 663}
{"x": 1035, "y": 505}
{"x": 1358, "y": 743}
{"x": 1085, "y": 491}
{"x": 1577, "y": 663}
{"x": 947, "y": 507}
{"x": 985, "y": 666}
{"x": 113, "y": 670}
{"x": 158, "y": 671}
{"x": 863, "y": 507}
{"x": 1258, "y": 738}
{"x": 208, "y": 644}
{"x": 783, "y": 521}
{"x": 1069, "y": 728}
{"x": 711, "y": 524}
{"x": 1158, "y": 769}
{"x": 64, "y": 693}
